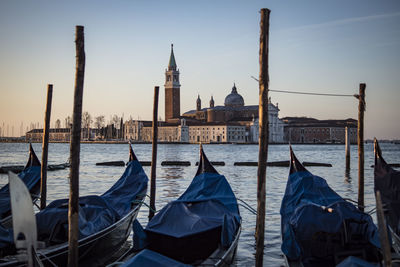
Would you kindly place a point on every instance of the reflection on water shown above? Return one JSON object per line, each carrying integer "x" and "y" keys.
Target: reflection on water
{"x": 173, "y": 181}
{"x": 347, "y": 176}
{"x": 170, "y": 182}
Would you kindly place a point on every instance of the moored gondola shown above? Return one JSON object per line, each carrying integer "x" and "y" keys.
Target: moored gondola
{"x": 201, "y": 228}
{"x": 387, "y": 181}
{"x": 30, "y": 175}
{"x": 104, "y": 223}
{"x": 320, "y": 228}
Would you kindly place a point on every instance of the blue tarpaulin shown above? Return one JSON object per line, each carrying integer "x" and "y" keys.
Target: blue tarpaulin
{"x": 202, "y": 207}
{"x": 356, "y": 262}
{"x": 95, "y": 212}
{"x": 148, "y": 258}
{"x": 311, "y": 211}
{"x": 30, "y": 176}
{"x": 190, "y": 228}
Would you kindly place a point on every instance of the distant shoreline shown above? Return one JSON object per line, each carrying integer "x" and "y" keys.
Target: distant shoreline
{"x": 185, "y": 143}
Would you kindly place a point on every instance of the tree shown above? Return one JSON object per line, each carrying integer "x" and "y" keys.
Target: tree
{"x": 86, "y": 122}
{"x": 68, "y": 122}
{"x": 115, "y": 120}
{"x": 86, "y": 119}
{"x": 58, "y": 124}
{"x": 99, "y": 121}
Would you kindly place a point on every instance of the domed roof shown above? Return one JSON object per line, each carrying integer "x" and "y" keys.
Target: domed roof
{"x": 234, "y": 99}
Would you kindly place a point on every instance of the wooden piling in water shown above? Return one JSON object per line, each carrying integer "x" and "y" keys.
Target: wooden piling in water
{"x": 154, "y": 156}
{"x": 263, "y": 135}
{"x": 73, "y": 204}
{"x": 45, "y": 148}
{"x": 360, "y": 141}
{"x": 347, "y": 148}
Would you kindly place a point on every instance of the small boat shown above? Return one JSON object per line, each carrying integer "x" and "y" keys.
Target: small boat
{"x": 30, "y": 175}
{"x": 387, "y": 181}
{"x": 201, "y": 228}
{"x": 319, "y": 227}
{"x": 105, "y": 223}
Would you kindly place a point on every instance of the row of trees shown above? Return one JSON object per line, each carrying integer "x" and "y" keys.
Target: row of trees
{"x": 87, "y": 121}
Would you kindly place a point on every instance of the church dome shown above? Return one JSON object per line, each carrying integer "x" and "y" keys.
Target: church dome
{"x": 234, "y": 99}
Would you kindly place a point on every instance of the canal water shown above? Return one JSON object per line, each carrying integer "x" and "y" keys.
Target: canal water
{"x": 172, "y": 181}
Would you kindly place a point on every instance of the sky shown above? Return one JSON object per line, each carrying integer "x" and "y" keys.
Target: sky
{"x": 315, "y": 46}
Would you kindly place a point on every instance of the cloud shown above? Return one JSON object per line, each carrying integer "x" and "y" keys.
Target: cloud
{"x": 346, "y": 21}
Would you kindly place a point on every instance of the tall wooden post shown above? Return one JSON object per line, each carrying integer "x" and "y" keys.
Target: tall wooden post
{"x": 154, "y": 155}
{"x": 347, "y": 145}
{"x": 45, "y": 147}
{"x": 75, "y": 150}
{"x": 360, "y": 134}
{"x": 263, "y": 135}
{"x": 383, "y": 234}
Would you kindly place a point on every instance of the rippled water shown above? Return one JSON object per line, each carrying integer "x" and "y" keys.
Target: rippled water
{"x": 172, "y": 181}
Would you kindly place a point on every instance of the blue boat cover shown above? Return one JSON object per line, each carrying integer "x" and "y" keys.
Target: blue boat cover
{"x": 149, "y": 258}
{"x": 311, "y": 209}
{"x": 95, "y": 212}
{"x": 208, "y": 203}
{"x": 356, "y": 262}
{"x": 30, "y": 176}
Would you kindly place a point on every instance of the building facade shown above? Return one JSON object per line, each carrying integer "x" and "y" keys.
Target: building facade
{"x": 312, "y": 131}
{"x": 55, "y": 135}
{"x": 231, "y": 122}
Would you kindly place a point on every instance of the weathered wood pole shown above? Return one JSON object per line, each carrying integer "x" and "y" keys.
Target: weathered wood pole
{"x": 360, "y": 134}
{"x": 347, "y": 145}
{"x": 45, "y": 147}
{"x": 263, "y": 135}
{"x": 383, "y": 234}
{"x": 154, "y": 155}
{"x": 75, "y": 150}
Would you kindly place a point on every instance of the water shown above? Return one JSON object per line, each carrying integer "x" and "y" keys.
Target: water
{"x": 172, "y": 181}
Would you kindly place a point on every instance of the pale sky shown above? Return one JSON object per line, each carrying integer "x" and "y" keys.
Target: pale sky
{"x": 315, "y": 46}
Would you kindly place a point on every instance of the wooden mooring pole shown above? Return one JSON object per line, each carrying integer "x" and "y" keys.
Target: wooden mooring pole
{"x": 263, "y": 135}
{"x": 45, "y": 148}
{"x": 360, "y": 140}
{"x": 73, "y": 204}
{"x": 347, "y": 145}
{"x": 154, "y": 155}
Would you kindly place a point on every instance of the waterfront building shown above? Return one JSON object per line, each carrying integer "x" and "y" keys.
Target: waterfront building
{"x": 309, "y": 130}
{"x": 133, "y": 129}
{"x": 167, "y": 132}
{"x": 55, "y": 135}
{"x": 233, "y": 116}
{"x": 233, "y": 122}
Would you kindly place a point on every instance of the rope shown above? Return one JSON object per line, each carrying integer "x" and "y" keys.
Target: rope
{"x": 147, "y": 205}
{"x": 306, "y": 93}
{"x": 247, "y": 206}
{"x": 47, "y": 258}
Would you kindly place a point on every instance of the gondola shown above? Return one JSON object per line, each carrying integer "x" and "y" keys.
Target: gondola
{"x": 387, "y": 181}
{"x": 104, "y": 223}
{"x": 31, "y": 177}
{"x": 201, "y": 227}
{"x": 320, "y": 228}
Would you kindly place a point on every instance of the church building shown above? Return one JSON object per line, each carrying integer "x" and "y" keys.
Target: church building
{"x": 233, "y": 122}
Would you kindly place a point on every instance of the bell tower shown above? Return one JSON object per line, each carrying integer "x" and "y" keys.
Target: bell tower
{"x": 172, "y": 89}
{"x": 198, "y": 103}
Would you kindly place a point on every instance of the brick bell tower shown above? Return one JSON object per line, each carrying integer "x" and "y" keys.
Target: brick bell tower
{"x": 172, "y": 89}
